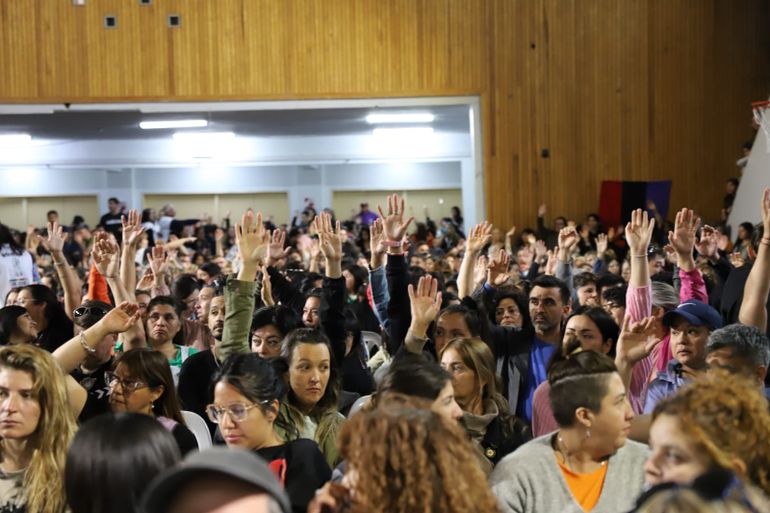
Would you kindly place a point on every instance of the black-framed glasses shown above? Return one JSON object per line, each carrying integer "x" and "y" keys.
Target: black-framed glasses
{"x": 94, "y": 311}
{"x": 237, "y": 411}
{"x": 128, "y": 385}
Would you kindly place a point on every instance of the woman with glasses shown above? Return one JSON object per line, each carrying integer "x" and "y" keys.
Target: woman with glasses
{"x": 247, "y": 395}
{"x": 141, "y": 382}
{"x": 16, "y": 326}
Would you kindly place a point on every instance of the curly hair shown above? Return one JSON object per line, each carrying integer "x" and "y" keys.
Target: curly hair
{"x": 407, "y": 459}
{"x": 727, "y": 417}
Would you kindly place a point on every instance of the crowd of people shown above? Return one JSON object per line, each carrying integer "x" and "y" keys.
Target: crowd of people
{"x": 384, "y": 364}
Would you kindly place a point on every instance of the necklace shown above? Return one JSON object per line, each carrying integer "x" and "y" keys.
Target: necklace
{"x": 564, "y": 453}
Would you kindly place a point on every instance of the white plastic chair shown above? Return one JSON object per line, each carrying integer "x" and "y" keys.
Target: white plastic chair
{"x": 370, "y": 340}
{"x": 199, "y": 428}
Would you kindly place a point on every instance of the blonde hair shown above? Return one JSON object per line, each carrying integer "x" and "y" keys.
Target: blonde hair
{"x": 727, "y": 417}
{"x": 44, "y": 477}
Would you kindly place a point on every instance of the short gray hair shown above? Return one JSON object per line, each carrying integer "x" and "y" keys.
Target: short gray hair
{"x": 664, "y": 296}
{"x": 746, "y": 342}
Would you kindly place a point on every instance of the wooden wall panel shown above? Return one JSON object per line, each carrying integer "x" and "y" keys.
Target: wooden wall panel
{"x": 613, "y": 89}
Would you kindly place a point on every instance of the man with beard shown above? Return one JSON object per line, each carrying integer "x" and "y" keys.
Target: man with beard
{"x": 194, "y": 389}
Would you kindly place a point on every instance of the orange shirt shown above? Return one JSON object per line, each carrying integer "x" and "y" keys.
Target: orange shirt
{"x": 585, "y": 488}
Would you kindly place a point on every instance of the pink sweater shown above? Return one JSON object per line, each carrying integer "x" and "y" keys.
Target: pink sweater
{"x": 639, "y": 306}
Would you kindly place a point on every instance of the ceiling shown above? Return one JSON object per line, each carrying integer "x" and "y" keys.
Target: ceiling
{"x": 104, "y": 124}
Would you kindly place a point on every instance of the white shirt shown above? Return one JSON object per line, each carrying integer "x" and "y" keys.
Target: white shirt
{"x": 15, "y": 271}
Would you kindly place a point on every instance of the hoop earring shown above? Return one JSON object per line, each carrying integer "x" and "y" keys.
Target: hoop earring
{"x": 588, "y": 433}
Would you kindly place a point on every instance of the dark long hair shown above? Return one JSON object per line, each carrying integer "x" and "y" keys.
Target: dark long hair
{"x": 6, "y": 237}
{"x": 152, "y": 367}
{"x": 9, "y": 316}
{"x": 256, "y": 379}
{"x": 112, "y": 459}
{"x": 54, "y": 311}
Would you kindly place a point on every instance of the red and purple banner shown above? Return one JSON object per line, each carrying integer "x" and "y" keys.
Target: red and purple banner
{"x": 619, "y": 198}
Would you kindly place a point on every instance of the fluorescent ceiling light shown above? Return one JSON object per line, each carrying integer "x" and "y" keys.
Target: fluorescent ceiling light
{"x": 15, "y": 139}
{"x": 207, "y": 137}
{"x": 409, "y": 130}
{"x": 400, "y": 117}
{"x": 179, "y": 123}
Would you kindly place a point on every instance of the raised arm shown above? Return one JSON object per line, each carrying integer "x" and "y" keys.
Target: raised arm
{"x": 635, "y": 343}
{"x": 71, "y": 284}
{"x": 252, "y": 240}
{"x": 107, "y": 262}
{"x": 638, "y": 235}
{"x": 425, "y": 304}
{"x": 377, "y": 279}
{"x": 479, "y": 236}
{"x": 682, "y": 239}
{"x": 568, "y": 238}
{"x": 118, "y": 320}
{"x": 332, "y": 316}
{"x": 753, "y": 309}
{"x": 396, "y": 271}
{"x": 132, "y": 231}
{"x": 159, "y": 261}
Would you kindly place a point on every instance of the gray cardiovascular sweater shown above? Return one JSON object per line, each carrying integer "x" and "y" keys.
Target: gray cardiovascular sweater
{"x": 530, "y": 480}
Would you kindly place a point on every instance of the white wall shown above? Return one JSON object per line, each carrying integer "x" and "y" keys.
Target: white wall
{"x": 299, "y": 181}
{"x": 756, "y": 176}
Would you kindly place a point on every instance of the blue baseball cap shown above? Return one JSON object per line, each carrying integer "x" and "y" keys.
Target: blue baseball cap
{"x": 696, "y": 313}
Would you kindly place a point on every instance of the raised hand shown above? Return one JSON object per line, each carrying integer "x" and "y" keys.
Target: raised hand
{"x": 252, "y": 239}
{"x": 639, "y": 232}
{"x": 425, "y": 304}
{"x": 708, "y": 244}
{"x": 377, "y": 243}
{"x": 637, "y": 340}
{"x": 132, "y": 228}
{"x": 330, "y": 239}
{"x": 682, "y": 239}
{"x": 120, "y": 318}
{"x": 479, "y": 236}
{"x": 510, "y": 233}
{"x": 497, "y": 269}
{"x": 158, "y": 259}
{"x": 394, "y": 224}
{"x": 219, "y": 235}
{"x": 330, "y": 243}
{"x": 267, "y": 289}
{"x": 480, "y": 271}
{"x": 146, "y": 281}
{"x": 54, "y": 243}
{"x": 601, "y": 245}
{"x": 275, "y": 249}
{"x": 106, "y": 256}
{"x": 736, "y": 259}
{"x": 542, "y": 210}
{"x": 541, "y": 251}
{"x": 567, "y": 240}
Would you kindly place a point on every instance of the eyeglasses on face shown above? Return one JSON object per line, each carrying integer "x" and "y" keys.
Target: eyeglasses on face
{"x": 128, "y": 385}
{"x": 237, "y": 411}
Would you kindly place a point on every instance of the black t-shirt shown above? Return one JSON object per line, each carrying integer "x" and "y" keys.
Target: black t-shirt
{"x": 113, "y": 224}
{"x": 55, "y": 335}
{"x": 301, "y": 469}
{"x": 98, "y": 399}
{"x": 195, "y": 389}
